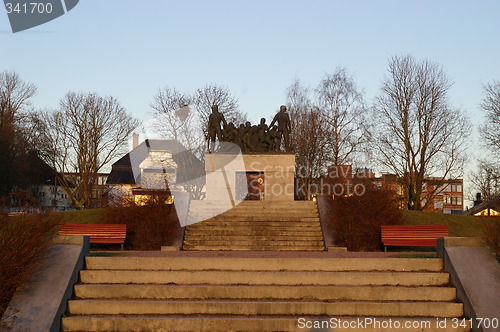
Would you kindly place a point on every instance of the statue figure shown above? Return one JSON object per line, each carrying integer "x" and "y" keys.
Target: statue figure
{"x": 214, "y": 126}
{"x": 283, "y": 121}
{"x": 263, "y": 126}
{"x": 246, "y": 136}
{"x": 250, "y": 138}
{"x": 275, "y": 138}
{"x": 228, "y": 133}
{"x": 239, "y": 139}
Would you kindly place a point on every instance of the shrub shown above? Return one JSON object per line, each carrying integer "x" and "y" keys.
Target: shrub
{"x": 491, "y": 229}
{"x": 357, "y": 219}
{"x": 23, "y": 240}
{"x": 149, "y": 226}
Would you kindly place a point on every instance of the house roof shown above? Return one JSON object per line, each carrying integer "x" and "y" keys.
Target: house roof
{"x": 39, "y": 172}
{"x": 123, "y": 170}
{"x": 491, "y": 204}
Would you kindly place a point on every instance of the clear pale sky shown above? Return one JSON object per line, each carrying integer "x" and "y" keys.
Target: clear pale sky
{"x": 129, "y": 49}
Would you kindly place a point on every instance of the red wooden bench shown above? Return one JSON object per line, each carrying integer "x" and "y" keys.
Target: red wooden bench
{"x": 412, "y": 236}
{"x": 99, "y": 233}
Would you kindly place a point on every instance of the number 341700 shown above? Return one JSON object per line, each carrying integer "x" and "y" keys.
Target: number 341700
{"x": 29, "y": 8}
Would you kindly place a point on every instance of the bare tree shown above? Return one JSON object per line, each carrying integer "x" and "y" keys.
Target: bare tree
{"x": 419, "y": 134}
{"x": 486, "y": 180}
{"x": 176, "y": 119}
{"x": 490, "y": 131}
{"x": 86, "y": 133}
{"x": 310, "y": 138}
{"x": 212, "y": 94}
{"x": 298, "y": 99}
{"x": 35, "y": 133}
{"x": 339, "y": 97}
{"x": 15, "y": 96}
{"x": 312, "y": 149}
{"x": 328, "y": 132}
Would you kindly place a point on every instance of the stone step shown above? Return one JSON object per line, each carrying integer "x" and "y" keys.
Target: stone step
{"x": 256, "y": 223}
{"x": 221, "y": 231}
{"x": 193, "y": 277}
{"x": 277, "y": 229}
{"x": 253, "y": 217}
{"x": 250, "y": 241}
{"x": 253, "y": 209}
{"x": 254, "y": 204}
{"x": 267, "y": 226}
{"x": 264, "y": 308}
{"x": 214, "y": 234}
{"x": 237, "y": 237}
{"x": 263, "y": 217}
{"x": 310, "y": 293}
{"x": 260, "y": 207}
{"x": 256, "y": 211}
{"x": 231, "y": 323}
{"x": 235, "y": 247}
{"x": 331, "y": 264}
{"x": 277, "y": 293}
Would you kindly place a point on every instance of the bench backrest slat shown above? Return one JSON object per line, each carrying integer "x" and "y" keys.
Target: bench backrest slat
{"x": 99, "y": 233}
{"x": 413, "y": 235}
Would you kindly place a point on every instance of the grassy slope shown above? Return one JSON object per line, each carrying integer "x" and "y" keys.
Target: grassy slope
{"x": 92, "y": 216}
{"x": 458, "y": 225}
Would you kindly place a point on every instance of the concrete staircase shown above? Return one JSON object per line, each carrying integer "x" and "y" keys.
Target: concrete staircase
{"x": 254, "y": 225}
{"x": 278, "y": 293}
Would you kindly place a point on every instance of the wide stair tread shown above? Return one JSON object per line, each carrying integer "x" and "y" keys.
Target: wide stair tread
{"x": 258, "y": 293}
{"x": 224, "y": 323}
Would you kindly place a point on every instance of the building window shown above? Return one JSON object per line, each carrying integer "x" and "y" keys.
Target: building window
{"x": 453, "y": 200}
{"x": 445, "y": 188}
{"x": 456, "y": 187}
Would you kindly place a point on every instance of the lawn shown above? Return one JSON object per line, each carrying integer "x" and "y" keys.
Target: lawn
{"x": 458, "y": 225}
{"x": 92, "y": 216}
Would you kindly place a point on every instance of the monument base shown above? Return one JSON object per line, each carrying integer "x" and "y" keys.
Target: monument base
{"x": 271, "y": 177}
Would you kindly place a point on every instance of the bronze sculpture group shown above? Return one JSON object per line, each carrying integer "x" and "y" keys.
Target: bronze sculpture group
{"x": 250, "y": 138}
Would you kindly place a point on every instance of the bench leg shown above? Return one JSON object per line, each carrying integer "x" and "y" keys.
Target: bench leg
{"x": 385, "y": 248}
{"x": 121, "y": 248}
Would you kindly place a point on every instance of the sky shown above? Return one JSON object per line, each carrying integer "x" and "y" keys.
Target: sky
{"x": 130, "y": 49}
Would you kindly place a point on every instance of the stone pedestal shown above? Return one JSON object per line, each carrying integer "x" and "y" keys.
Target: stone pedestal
{"x": 221, "y": 170}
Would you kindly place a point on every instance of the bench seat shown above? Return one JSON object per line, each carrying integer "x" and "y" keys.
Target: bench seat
{"x": 412, "y": 235}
